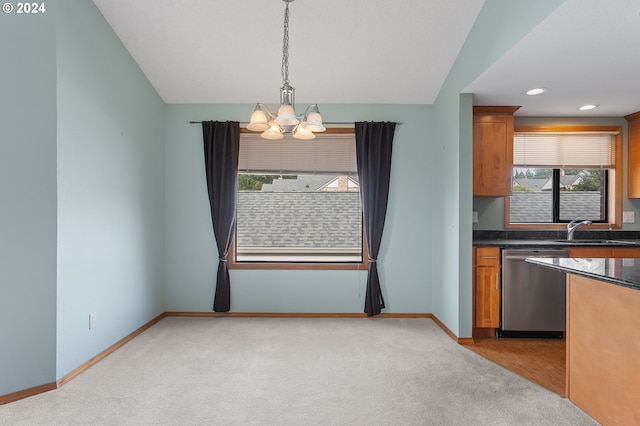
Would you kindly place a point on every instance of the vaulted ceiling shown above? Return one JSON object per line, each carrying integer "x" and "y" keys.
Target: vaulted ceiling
{"x": 373, "y": 51}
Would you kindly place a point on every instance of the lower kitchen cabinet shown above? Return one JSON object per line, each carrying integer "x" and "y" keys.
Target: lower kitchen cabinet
{"x": 486, "y": 287}
{"x": 487, "y": 281}
{"x": 602, "y": 350}
{"x": 606, "y": 252}
{"x": 622, "y": 252}
{"x": 590, "y": 252}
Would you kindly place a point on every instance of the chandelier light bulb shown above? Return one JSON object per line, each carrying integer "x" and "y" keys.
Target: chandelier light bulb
{"x": 314, "y": 122}
{"x": 302, "y": 132}
{"x": 286, "y": 116}
{"x": 273, "y": 133}
{"x": 258, "y": 121}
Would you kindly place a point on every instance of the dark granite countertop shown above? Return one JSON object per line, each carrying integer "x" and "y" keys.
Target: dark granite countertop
{"x": 555, "y": 239}
{"x": 520, "y": 243}
{"x": 622, "y": 272}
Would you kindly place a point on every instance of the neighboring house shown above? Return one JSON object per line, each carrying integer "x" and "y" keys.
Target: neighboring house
{"x": 312, "y": 183}
{"x": 567, "y": 183}
{"x": 303, "y": 183}
{"x": 532, "y": 184}
{"x": 341, "y": 184}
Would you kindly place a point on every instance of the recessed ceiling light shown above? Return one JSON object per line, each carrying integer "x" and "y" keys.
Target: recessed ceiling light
{"x": 588, "y": 107}
{"x": 536, "y": 91}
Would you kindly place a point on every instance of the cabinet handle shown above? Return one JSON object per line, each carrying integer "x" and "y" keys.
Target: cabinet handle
{"x": 496, "y": 280}
{"x": 488, "y": 257}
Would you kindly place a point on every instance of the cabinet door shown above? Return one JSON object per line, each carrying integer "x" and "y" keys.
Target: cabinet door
{"x": 492, "y": 151}
{"x": 490, "y": 160}
{"x": 633, "y": 153}
{"x": 606, "y": 252}
{"x": 630, "y": 252}
{"x": 590, "y": 252}
{"x": 487, "y": 297}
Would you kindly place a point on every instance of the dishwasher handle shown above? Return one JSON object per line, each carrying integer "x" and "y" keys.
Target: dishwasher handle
{"x": 512, "y": 257}
{"x": 523, "y": 257}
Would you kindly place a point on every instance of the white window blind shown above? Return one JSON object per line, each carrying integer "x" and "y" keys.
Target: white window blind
{"x": 560, "y": 150}
{"x": 334, "y": 153}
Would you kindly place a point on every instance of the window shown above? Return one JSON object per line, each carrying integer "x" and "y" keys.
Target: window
{"x": 298, "y": 203}
{"x": 543, "y": 195}
{"x": 564, "y": 174}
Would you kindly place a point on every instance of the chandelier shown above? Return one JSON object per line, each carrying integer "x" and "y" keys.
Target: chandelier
{"x": 286, "y": 122}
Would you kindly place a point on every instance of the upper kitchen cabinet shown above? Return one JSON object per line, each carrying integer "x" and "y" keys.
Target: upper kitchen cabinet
{"x": 633, "y": 152}
{"x": 492, "y": 150}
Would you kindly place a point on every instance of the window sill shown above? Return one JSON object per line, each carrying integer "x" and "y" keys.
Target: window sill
{"x": 318, "y": 266}
{"x": 299, "y": 266}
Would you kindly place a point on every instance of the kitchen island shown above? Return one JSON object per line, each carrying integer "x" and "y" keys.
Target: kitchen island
{"x": 603, "y": 336}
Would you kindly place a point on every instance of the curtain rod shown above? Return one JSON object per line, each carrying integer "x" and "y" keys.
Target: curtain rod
{"x": 324, "y": 122}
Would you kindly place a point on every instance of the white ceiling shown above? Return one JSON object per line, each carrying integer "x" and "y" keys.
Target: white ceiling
{"x": 375, "y": 51}
{"x": 213, "y": 51}
{"x": 585, "y": 52}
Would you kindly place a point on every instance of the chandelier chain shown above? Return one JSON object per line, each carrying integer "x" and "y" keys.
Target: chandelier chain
{"x": 285, "y": 47}
{"x": 286, "y": 122}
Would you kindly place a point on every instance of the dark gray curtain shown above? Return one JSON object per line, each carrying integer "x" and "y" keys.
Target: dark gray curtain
{"x": 221, "y": 147}
{"x": 373, "y": 156}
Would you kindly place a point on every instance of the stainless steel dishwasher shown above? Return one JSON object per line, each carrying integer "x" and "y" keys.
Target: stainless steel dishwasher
{"x": 533, "y": 297}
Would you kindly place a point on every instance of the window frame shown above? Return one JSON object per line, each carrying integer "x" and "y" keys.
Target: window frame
{"x": 354, "y": 266}
{"x": 614, "y": 203}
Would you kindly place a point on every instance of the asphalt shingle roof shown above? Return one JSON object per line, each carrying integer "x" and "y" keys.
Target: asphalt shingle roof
{"x": 300, "y": 219}
{"x": 535, "y": 207}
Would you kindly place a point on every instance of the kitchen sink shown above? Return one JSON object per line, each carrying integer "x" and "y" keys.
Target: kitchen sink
{"x": 597, "y": 242}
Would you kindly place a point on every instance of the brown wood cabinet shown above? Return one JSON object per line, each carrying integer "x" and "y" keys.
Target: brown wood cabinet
{"x": 590, "y": 251}
{"x": 486, "y": 285}
{"x": 633, "y": 154}
{"x": 603, "y": 329}
{"x": 492, "y": 150}
{"x": 622, "y": 252}
{"x": 610, "y": 252}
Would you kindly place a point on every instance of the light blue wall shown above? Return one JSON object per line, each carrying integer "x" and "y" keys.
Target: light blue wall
{"x": 491, "y": 210}
{"x": 27, "y": 200}
{"x": 500, "y": 25}
{"x": 110, "y": 188}
{"x": 405, "y": 258}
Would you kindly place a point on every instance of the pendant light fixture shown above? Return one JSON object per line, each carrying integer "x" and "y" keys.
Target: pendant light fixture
{"x": 286, "y": 122}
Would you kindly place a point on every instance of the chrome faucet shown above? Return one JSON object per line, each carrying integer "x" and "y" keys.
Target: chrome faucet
{"x": 573, "y": 226}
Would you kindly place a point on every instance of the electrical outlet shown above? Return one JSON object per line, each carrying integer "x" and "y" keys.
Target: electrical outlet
{"x": 475, "y": 217}
{"x": 628, "y": 217}
{"x": 92, "y": 320}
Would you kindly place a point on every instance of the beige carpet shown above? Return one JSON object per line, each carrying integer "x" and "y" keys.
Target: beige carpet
{"x": 272, "y": 371}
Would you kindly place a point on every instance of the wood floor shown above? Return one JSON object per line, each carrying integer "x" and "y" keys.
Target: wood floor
{"x": 541, "y": 361}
